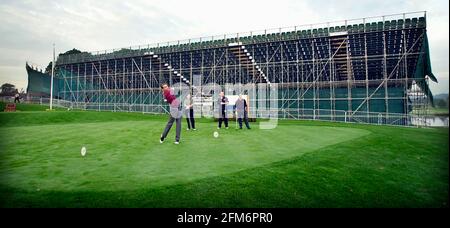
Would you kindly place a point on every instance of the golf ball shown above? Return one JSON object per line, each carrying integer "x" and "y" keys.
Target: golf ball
{"x": 216, "y": 134}
{"x": 83, "y": 151}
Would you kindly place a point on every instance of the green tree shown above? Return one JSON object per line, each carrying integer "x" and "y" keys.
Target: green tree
{"x": 8, "y": 89}
{"x": 48, "y": 69}
{"x": 70, "y": 52}
{"x": 441, "y": 103}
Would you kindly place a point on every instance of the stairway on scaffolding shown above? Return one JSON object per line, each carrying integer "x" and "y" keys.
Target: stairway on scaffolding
{"x": 247, "y": 61}
{"x": 158, "y": 61}
{"x": 339, "y": 47}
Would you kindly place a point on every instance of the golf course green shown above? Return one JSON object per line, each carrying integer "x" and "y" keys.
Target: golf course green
{"x": 297, "y": 164}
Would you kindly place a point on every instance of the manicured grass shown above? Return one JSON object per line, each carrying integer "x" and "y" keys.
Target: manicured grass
{"x": 297, "y": 164}
{"x": 65, "y": 117}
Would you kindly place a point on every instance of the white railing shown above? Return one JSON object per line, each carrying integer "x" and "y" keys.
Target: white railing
{"x": 362, "y": 117}
{"x": 9, "y": 99}
{"x": 375, "y": 118}
{"x": 115, "y": 107}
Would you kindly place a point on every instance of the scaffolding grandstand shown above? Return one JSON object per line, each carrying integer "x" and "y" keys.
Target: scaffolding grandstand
{"x": 368, "y": 70}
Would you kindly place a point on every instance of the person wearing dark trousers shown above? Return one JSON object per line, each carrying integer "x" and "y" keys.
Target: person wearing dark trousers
{"x": 175, "y": 113}
{"x": 17, "y": 98}
{"x": 189, "y": 112}
{"x": 242, "y": 111}
{"x": 223, "y": 102}
{"x": 86, "y": 101}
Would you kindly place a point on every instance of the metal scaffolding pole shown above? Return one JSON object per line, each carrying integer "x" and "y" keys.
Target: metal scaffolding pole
{"x": 313, "y": 79}
{"x": 115, "y": 85}
{"x": 330, "y": 78}
{"x": 366, "y": 67}
{"x": 385, "y": 75}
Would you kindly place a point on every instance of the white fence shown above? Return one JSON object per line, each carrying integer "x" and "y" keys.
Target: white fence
{"x": 116, "y": 107}
{"x": 376, "y": 118}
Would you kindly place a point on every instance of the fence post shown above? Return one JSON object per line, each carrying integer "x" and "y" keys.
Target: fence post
{"x": 345, "y": 116}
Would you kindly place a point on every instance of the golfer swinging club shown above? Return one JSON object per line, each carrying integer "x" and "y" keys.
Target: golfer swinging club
{"x": 175, "y": 113}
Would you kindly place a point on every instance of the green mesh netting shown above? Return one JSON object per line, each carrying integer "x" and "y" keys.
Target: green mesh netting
{"x": 423, "y": 69}
{"x": 39, "y": 83}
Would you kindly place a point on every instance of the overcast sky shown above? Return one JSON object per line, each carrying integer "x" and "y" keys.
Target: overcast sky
{"x": 28, "y": 28}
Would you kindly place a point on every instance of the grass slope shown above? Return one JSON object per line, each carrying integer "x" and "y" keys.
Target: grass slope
{"x": 299, "y": 164}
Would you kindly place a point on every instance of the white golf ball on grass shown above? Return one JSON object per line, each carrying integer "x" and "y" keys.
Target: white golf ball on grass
{"x": 216, "y": 134}
{"x": 83, "y": 151}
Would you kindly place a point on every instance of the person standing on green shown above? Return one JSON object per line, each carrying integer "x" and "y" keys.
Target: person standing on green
{"x": 189, "y": 112}
{"x": 242, "y": 111}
